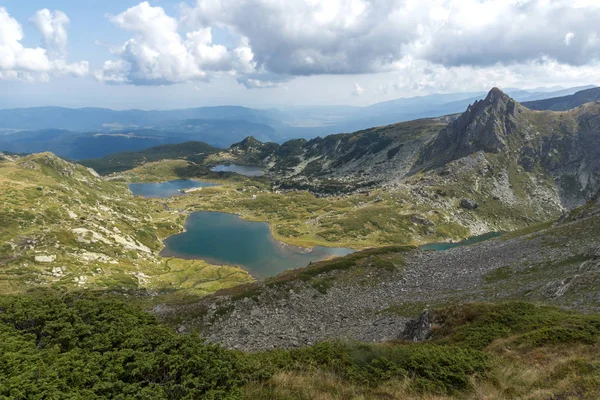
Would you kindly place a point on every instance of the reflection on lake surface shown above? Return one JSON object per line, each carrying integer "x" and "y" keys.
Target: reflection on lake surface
{"x": 222, "y": 238}
{"x": 165, "y": 189}
{"x": 240, "y": 169}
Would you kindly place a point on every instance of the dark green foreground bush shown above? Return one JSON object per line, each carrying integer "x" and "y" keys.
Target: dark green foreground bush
{"x": 89, "y": 347}
{"x": 86, "y": 346}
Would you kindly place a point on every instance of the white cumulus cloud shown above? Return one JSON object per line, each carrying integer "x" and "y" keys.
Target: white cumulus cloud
{"x": 272, "y": 41}
{"x": 158, "y": 54}
{"x": 39, "y": 63}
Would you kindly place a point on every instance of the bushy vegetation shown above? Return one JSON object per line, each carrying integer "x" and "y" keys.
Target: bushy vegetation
{"x": 93, "y": 346}
{"x": 90, "y": 347}
{"x": 478, "y": 325}
{"x": 433, "y": 368}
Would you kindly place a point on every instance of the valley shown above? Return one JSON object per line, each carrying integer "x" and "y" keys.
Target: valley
{"x": 300, "y": 200}
{"x": 433, "y": 258}
{"x": 498, "y": 167}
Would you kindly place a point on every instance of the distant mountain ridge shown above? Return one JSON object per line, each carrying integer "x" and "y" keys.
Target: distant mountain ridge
{"x": 77, "y": 146}
{"x": 218, "y": 126}
{"x": 104, "y": 119}
{"x": 565, "y": 102}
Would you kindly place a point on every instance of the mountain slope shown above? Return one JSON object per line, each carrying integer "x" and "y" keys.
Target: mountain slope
{"x": 561, "y": 146}
{"x": 355, "y": 158}
{"x": 372, "y": 295}
{"x": 565, "y": 103}
{"x": 118, "y": 162}
{"x": 521, "y": 154}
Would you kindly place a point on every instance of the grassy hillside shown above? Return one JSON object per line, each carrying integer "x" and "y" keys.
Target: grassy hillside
{"x": 63, "y": 226}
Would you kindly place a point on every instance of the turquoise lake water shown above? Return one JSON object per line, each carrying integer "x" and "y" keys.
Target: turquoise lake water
{"x": 222, "y": 238}
{"x": 240, "y": 169}
{"x": 466, "y": 242}
{"x": 165, "y": 189}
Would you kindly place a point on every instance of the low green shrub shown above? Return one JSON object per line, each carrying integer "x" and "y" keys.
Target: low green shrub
{"x": 478, "y": 325}
{"x": 434, "y": 368}
{"x": 90, "y": 347}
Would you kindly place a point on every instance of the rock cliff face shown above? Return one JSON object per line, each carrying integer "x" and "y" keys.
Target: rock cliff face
{"x": 561, "y": 146}
{"x": 485, "y": 126}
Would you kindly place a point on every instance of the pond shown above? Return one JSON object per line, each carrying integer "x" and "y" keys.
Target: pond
{"x": 222, "y": 238}
{"x": 471, "y": 240}
{"x": 240, "y": 169}
{"x": 166, "y": 189}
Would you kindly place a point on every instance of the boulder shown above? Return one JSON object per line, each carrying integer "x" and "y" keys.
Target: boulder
{"x": 418, "y": 330}
{"x": 468, "y": 204}
{"x": 420, "y": 221}
{"x": 45, "y": 259}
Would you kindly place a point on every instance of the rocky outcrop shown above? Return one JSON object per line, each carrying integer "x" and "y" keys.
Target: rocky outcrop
{"x": 485, "y": 126}
{"x": 563, "y": 147}
{"x": 419, "y": 329}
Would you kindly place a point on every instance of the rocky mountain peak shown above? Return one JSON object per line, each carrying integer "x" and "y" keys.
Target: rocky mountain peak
{"x": 248, "y": 144}
{"x": 496, "y": 96}
{"x": 484, "y": 126}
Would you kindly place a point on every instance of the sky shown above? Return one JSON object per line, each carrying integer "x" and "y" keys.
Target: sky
{"x": 165, "y": 54}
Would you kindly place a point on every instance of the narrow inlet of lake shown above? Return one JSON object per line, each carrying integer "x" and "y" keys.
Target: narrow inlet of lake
{"x": 166, "y": 189}
{"x": 222, "y": 238}
{"x": 466, "y": 242}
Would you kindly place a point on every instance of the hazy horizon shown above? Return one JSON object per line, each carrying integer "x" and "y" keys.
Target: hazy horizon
{"x": 291, "y": 107}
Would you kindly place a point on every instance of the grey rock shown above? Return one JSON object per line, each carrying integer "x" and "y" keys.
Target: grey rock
{"x": 421, "y": 221}
{"x": 468, "y": 204}
{"x": 418, "y": 330}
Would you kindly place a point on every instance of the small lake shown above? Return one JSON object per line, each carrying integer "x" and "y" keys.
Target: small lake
{"x": 466, "y": 242}
{"x": 239, "y": 169}
{"x": 222, "y": 238}
{"x": 166, "y": 189}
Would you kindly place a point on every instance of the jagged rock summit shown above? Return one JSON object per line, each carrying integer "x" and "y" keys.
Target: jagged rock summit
{"x": 484, "y": 126}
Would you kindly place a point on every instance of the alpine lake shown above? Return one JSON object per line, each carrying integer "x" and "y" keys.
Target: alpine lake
{"x": 226, "y": 239}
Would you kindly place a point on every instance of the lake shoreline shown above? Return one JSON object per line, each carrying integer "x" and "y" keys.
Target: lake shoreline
{"x": 258, "y": 253}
